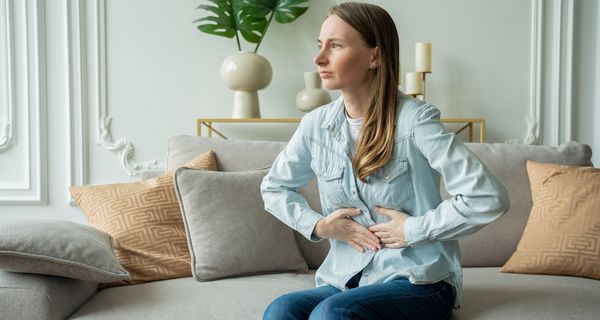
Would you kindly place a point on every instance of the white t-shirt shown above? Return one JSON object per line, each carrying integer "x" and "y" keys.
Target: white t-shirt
{"x": 354, "y": 126}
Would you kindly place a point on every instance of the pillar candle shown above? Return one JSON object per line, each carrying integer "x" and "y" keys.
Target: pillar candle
{"x": 423, "y": 57}
{"x": 414, "y": 83}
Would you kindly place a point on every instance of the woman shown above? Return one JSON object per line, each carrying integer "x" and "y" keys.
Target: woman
{"x": 377, "y": 154}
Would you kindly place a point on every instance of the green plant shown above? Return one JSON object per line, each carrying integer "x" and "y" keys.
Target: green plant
{"x": 251, "y": 18}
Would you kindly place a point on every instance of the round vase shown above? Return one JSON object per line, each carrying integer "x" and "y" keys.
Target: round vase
{"x": 313, "y": 95}
{"x": 245, "y": 73}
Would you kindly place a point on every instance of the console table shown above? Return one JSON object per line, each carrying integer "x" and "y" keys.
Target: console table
{"x": 467, "y": 124}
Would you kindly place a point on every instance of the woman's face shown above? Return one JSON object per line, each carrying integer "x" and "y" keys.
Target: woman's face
{"x": 344, "y": 59}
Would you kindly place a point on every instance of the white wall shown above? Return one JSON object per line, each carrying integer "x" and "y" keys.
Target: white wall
{"x": 143, "y": 64}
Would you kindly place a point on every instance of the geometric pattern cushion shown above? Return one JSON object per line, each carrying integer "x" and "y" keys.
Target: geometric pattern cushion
{"x": 562, "y": 235}
{"x": 145, "y": 222}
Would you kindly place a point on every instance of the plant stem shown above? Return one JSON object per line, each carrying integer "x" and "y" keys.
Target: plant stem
{"x": 265, "y": 31}
{"x": 237, "y": 39}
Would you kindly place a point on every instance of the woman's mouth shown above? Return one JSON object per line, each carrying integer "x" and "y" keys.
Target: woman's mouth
{"x": 325, "y": 74}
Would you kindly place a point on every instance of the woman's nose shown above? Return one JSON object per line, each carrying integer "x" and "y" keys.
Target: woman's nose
{"x": 320, "y": 58}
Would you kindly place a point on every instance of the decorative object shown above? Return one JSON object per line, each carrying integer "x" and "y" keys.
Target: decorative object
{"x": 313, "y": 95}
{"x": 58, "y": 248}
{"x": 144, "y": 220}
{"x": 214, "y": 206}
{"x": 245, "y": 73}
{"x": 251, "y": 18}
{"x": 415, "y": 81}
{"x": 562, "y": 235}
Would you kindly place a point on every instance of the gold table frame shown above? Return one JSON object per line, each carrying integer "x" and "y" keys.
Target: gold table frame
{"x": 469, "y": 123}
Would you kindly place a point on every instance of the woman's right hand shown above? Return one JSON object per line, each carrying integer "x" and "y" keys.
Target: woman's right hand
{"x": 340, "y": 226}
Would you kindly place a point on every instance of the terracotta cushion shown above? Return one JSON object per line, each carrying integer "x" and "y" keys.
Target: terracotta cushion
{"x": 145, "y": 221}
{"x": 562, "y": 235}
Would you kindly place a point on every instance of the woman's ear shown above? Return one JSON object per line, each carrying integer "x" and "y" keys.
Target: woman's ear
{"x": 375, "y": 58}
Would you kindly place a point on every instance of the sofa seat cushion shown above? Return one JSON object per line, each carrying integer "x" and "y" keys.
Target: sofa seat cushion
{"x": 489, "y": 294}
{"x": 184, "y": 298}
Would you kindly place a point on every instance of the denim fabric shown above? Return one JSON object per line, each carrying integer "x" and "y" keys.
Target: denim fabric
{"x": 396, "y": 299}
{"x": 409, "y": 182}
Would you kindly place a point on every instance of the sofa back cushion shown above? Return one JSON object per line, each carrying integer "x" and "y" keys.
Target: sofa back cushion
{"x": 490, "y": 247}
{"x": 494, "y": 244}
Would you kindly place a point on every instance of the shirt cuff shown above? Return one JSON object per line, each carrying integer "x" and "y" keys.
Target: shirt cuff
{"x": 414, "y": 232}
{"x": 307, "y": 224}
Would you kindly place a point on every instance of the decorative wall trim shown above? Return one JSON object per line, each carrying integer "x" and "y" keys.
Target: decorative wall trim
{"x": 568, "y": 120}
{"x": 8, "y": 117}
{"x": 78, "y": 116}
{"x": 551, "y": 77}
{"x": 532, "y": 135}
{"x": 34, "y": 189}
{"x": 122, "y": 148}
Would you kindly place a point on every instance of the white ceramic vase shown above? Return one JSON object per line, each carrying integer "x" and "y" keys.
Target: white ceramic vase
{"x": 245, "y": 73}
{"x": 313, "y": 95}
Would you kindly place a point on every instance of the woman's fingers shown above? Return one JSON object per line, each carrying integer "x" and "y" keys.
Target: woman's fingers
{"x": 356, "y": 246}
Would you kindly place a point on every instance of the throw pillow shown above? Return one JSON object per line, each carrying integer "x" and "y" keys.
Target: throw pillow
{"x": 58, "y": 248}
{"x": 562, "y": 235}
{"x": 144, "y": 219}
{"x": 229, "y": 232}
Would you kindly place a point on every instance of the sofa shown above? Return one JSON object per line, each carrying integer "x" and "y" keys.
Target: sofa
{"x": 487, "y": 292}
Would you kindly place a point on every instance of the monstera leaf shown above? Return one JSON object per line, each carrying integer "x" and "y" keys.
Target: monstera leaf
{"x": 248, "y": 17}
{"x": 285, "y": 11}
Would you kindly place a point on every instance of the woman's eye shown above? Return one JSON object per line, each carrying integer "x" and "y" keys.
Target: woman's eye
{"x": 335, "y": 45}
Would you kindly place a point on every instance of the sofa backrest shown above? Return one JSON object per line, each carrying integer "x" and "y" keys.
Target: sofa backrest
{"x": 490, "y": 247}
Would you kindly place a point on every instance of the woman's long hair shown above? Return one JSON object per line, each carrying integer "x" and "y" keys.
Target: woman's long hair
{"x": 376, "y": 140}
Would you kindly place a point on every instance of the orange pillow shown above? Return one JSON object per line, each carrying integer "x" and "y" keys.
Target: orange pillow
{"x": 562, "y": 235}
{"x": 145, "y": 222}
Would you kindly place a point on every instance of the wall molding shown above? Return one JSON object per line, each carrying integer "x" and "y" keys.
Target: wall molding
{"x": 78, "y": 115}
{"x": 34, "y": 188}
{"x": 551, "y": 75}
{"x": 121, "y": 147}
{"x": 8, "y": 120}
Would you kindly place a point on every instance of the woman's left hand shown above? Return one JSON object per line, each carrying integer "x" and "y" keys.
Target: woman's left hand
{"x": 391, "y": 233}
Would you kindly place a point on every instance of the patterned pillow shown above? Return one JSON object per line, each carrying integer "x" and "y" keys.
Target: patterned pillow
{"x": 562, "y": 235}
{"x": 145, "y": 221}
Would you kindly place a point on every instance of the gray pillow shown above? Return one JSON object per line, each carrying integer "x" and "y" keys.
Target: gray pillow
{"x": 229, "y": 232}
{"x": 58, "y": 248}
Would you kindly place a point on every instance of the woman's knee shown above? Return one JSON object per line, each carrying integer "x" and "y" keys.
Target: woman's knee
{"x": 286, "y": 307}
{"x": 331, "y": 308}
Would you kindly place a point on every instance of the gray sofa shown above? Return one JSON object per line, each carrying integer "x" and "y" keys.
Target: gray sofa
{"x": 487, "y": 293}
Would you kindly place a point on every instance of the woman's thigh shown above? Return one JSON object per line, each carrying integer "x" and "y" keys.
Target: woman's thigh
{"x": 397, "y": 299}
{"x": 298, "y": 304}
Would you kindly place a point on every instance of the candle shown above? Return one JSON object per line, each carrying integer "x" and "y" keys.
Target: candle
{"x": 423, "y": 57}
{"x": 414, "y": 83}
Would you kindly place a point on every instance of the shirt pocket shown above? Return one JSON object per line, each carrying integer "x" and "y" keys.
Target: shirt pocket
{"x": 392, "y": 184}
{"x": 330, "y": 181}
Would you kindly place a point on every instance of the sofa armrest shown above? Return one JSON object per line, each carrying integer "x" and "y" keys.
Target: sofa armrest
{"x": 35, "y": 296}
{"x": 150, "y": 173}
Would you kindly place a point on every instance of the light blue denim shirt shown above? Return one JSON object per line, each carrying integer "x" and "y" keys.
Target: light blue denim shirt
{"x": 409, "y": 182}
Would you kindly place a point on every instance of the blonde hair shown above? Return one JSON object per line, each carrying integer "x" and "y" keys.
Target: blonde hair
{"x": 376, "y": 141}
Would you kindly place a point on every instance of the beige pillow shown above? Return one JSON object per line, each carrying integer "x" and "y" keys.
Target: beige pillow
{"x": 562, "y": 235}
{"x": 229, "y": 231}
{"x": 144, "y": 219}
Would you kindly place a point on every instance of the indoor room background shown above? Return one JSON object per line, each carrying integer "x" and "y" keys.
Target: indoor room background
{"x": 92, "y": 90}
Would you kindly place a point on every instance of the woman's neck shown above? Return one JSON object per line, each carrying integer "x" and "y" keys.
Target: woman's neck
{"x": 356, "y": 103}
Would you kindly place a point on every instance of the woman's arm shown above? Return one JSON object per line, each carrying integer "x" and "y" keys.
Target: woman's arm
{"x": 279, "y": 188}
{"x": 477, "y": 198}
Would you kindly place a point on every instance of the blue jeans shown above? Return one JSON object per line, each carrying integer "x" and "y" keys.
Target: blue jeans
{"x": 396, "y": 299}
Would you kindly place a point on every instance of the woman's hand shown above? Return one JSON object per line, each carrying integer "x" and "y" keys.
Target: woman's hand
{"x": 391, "y": 233}
{"x": 340, "y": 226}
